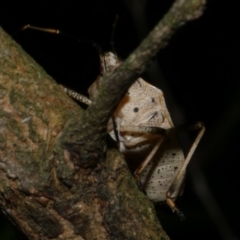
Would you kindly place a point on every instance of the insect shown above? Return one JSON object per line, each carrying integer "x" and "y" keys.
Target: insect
{"x": 148, "y": 139}
{"x": 145, "y": 134}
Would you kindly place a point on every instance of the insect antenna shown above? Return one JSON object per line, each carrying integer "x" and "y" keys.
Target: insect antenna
{"x": 58, "y": 32}
{"x": 103, "y": 61}
{"x": 112, "y": 43}
{"x": 92, "y": 43}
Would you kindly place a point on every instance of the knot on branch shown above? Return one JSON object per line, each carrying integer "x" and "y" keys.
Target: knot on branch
{"x": 87, "y": 152}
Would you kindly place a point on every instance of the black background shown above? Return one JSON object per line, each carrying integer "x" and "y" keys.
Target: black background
{"x": 198, "y": 72}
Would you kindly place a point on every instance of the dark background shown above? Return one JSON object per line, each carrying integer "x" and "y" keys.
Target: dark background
{"x": 198, "y": 72}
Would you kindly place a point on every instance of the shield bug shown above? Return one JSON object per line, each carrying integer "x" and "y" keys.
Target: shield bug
{"x": 145, "y": 134}
{"x": 148, "y": 139}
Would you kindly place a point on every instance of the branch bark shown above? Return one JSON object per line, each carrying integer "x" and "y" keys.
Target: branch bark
{"x": 57, "y": 179}
{"x": 114, "y": 85}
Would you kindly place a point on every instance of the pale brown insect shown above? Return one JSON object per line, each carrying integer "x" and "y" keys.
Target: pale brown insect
{"x": 148, "y": 139}
{"x": 145, "y": 134}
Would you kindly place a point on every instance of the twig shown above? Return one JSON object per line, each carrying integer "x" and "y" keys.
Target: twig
{"x": 86, "y": 141}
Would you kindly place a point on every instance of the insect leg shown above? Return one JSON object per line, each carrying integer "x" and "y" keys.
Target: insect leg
{"x": 77, "y": 96}
{"x": 48, "y": 30}
{"x": 177, "y": 182}
{"x": 83, "y": 99}
{"x": 149, "y": 130}
{"x": 144, "y": 129}
{"x": 57, "y": 31}
{"x": 148, "y": 159}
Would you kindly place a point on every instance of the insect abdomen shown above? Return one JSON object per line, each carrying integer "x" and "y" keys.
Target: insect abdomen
{"x": 160, "y": 173}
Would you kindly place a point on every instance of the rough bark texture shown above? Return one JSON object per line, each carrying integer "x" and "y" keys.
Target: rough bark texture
{"x": 47, "y": 144}
{"x": 42, "y": 191}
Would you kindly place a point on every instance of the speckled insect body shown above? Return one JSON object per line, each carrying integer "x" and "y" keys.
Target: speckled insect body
{"x": 154, "y": 156}
{"x": 144, "y": 106}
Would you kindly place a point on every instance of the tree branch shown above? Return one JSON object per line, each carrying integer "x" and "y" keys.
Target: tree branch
{"x": 90, "y": 131}
{"x": 51, "y": 193}
{"x": 41, "y": 190}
